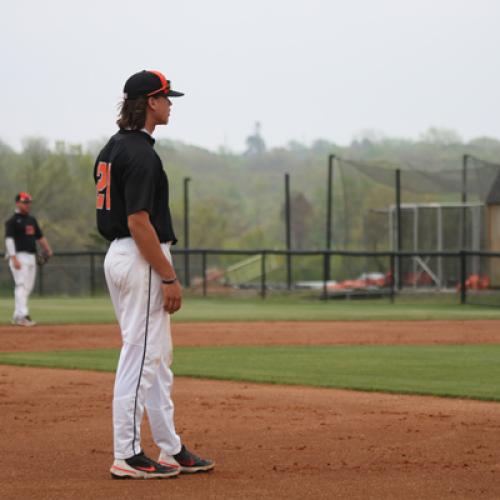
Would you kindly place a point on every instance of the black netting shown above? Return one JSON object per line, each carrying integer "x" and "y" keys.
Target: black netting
{"x": 440, "y": 211}
{"x": 479, "y": 178}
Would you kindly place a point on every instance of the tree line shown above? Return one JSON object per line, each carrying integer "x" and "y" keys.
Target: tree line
{"x": 236, "y": 200}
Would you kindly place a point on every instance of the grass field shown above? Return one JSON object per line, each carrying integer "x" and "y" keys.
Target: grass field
{"x": 56, "y": 310}
{"x": 467, "y": 371}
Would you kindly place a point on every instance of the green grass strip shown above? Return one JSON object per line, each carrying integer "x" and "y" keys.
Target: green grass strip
{"x": 61, "y": 310}
{"x": 466, "y": 371}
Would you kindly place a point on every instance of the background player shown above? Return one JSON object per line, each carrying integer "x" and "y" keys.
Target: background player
{"x": 22, "y": 233}
{"x": 133, "y": 213}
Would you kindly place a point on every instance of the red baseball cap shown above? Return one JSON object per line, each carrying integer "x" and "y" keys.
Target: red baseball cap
{"x": 148, "y": 83}
{"x": 23, "y": 197}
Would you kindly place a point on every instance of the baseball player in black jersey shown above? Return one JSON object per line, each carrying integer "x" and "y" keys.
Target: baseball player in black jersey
{"x": 22, "y": 233}
{"x": 133, "y": 214}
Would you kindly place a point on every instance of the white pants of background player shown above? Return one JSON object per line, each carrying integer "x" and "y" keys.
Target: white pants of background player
{"x": 24, "y": 280}
{"x": 143, "y": 377}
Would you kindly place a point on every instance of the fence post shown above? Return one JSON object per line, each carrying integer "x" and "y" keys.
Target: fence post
{"x": 326, "y": 273}
{"x": 391, "y": 265}
{"x": 204, "y": 271}
{"x": 263, "y": 275}
{"x": 40, "y": 280}
{"x": 463, "y": 276}
{"x": 92, "y": 274}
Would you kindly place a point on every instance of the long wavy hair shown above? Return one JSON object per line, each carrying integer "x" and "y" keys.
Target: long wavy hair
{"x": 132, "y": 113}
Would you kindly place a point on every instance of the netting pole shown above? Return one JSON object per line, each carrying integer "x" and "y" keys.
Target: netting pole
{"x": 187, "y": 279}
{"x": 329, "y": 199}
{"x": 415, "y": 244}
{"x": 465, "y": 159}
{"x": 476, "y": 238}
{"x": 440, "y": 244}
{"x": 329, "y": 196}
{"x": 399, "y": 239}
{"x": 288, "y": 231}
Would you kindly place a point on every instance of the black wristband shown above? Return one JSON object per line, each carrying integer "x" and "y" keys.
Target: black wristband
{"x": 169, "y": 282}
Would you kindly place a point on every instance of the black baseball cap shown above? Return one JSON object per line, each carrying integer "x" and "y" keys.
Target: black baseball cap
{"x": 148, "y": 83}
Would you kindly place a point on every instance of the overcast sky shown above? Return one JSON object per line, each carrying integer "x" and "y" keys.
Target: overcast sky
{"x": 306, "y": 69}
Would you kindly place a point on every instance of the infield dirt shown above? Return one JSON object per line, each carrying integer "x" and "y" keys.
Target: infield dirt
{"x": 268, "y": 441}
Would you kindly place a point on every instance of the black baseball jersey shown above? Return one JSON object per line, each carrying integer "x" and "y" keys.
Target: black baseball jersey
{"x": 129, "y": 178}
{"x": 25, "y": 231}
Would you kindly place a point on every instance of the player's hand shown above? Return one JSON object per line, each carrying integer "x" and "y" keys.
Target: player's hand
{"x": 15, "y": 262}
{"x": 172, "y": 297}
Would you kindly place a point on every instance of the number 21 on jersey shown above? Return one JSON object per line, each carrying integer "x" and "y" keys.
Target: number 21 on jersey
{"x": 103, "y": 186}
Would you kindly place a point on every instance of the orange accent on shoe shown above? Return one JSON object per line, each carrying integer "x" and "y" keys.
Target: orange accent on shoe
{"x": 175, "y": 466}
{"x": 123, "y": 470}
{"x": 146, "y": 469}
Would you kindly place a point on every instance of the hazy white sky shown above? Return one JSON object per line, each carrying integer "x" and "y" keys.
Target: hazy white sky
{"x": 306, "y": 69}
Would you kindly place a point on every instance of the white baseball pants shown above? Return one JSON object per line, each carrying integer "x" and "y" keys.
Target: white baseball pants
{"x": 143, "y": 377}
{"x": 24, "y": 280}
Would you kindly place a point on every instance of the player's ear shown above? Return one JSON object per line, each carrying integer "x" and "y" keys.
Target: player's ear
{"x": 152, "y": 103}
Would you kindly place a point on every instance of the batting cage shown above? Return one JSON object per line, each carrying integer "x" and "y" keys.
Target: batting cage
{"x": 432, "y": 214}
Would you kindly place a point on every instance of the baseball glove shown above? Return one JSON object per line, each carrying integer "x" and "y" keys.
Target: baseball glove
{"x": 42, "y": 258}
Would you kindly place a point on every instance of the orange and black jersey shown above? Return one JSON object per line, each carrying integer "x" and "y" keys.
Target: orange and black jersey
{"x": 129, "y": 178}
{"x": 25, "y": 231}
